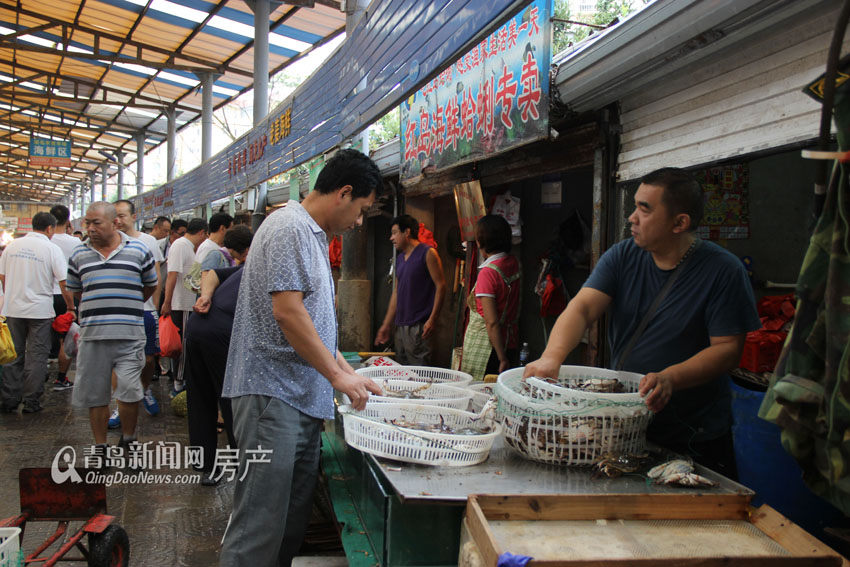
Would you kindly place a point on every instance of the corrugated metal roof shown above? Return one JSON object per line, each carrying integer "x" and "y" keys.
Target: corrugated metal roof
{"x": 80, "y": 67}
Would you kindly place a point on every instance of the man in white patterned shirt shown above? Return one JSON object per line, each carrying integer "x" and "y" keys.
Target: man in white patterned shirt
{"x": 284, "y": 361}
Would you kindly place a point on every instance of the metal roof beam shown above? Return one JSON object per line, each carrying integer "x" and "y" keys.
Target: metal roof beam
{"x": 96, "y": 86}
{"x": 250, "y": 45}
{"x": 99, "y": 100}
{"x": 31, "y": 192}
{"x": 28, "y": 180}
{"x": 82, "y": 121}
{"x": 195, "y": 31}
{"x": 48, "y": 127}
{"x": 17, "y": 171}
{"x": 16, "y": 82}
{"x": 97, "y": 56}
{"x": 100, "y": 34}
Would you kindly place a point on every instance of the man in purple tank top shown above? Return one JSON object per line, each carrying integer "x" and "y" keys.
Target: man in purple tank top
{"x": 417, "y": 297}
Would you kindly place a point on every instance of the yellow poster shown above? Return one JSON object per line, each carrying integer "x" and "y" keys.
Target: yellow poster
{"x": 470, "y": 207}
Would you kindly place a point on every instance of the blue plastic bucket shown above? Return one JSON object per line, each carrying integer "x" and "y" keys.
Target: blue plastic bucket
{"x": 765, "y": 467}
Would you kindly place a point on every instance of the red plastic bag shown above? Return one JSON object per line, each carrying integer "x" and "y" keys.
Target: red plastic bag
{"x": 170, "y": 344}
{"x": 62, "y": 323}
{"x": 426, "y": 236}
{"x": 335, "y": 252}
{"x": 554, "y": 300}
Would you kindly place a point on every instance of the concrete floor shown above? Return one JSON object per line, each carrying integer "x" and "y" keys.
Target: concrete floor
{"x": 167, "y": 524}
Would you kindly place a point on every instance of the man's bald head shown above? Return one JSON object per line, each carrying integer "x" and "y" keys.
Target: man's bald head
{"x": 106, "y": 209}
{"x": 100, "y": 221}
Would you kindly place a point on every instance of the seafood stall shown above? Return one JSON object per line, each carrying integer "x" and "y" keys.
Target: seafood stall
{"x": 412, "y": 514}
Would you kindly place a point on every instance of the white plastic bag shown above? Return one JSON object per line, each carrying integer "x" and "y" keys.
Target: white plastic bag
{"x": 71, "y": 339}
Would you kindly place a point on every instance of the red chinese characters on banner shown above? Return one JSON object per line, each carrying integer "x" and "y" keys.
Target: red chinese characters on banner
{"x": 485, "y": 108}
{"x": 531, "y": 25}
{"x": 424, "y": 139}
{"x": 529, "y": 99}
{"x": 505, "y": 94}
{"x": 502, "y": 35}
{"x": 468, "y": 108}
{"x": 512, "y": 34}
{"x": 452, "y": 117}
{"x": 410, "y": 140}
{"x": 438, "y": 130}
{"x": 468, "y": 112}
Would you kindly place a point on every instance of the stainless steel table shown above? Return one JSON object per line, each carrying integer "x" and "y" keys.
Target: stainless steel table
{"x": 412, "y": 514}
{"x": 506, "y": 472}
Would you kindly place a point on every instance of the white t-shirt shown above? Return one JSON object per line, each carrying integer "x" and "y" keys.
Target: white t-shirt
{"x": 181, "y": 256}
{"x": 205, "y": 248}
{"x": 31, "y": 264}
{"x": 66, "y": 243}
{"x": 152, "y": 245}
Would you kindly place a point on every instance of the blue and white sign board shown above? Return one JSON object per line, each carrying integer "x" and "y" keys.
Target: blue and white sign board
{"x": 50, "y": 153}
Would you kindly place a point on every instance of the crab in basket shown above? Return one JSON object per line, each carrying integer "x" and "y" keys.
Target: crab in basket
{"x": 679, "y": 472}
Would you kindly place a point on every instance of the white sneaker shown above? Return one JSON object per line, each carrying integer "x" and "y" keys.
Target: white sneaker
{"x": 178, "y": 387}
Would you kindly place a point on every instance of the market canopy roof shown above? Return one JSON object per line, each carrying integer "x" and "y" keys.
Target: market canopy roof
{"x": 99, "y": 72}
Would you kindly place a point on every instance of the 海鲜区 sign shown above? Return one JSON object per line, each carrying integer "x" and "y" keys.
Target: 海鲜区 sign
{"x": 51, "y": 153}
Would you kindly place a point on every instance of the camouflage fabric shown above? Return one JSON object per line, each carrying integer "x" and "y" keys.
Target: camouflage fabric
{"x": 809, "y": 393}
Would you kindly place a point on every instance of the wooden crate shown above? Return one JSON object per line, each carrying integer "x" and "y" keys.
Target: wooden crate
{"x": 661, "y": 524}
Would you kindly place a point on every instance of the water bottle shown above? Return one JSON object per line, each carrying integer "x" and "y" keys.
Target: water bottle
{"x": 524, "y": 353}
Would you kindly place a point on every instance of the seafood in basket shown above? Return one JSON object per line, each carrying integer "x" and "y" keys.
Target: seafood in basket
{"x": 427, "y": 393}
{"x": 417, "y": 374}
{"x": 422, "y": 434}
{"x": 568, "y": 423}
{"x": 585, "y": 384}
{"x": 481, "y": 393}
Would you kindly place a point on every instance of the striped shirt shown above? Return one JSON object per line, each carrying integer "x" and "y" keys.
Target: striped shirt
{"x": 112, "y": 304}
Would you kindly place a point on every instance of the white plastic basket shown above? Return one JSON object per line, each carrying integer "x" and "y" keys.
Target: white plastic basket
{"x": 481, "y": 392}
{"x": 417, "y": 374}
{"x": 432, "y": 394}
{"x": 561, "y": 425}
{"x": 10, "y": 555}
{"x": 372, "y": 431}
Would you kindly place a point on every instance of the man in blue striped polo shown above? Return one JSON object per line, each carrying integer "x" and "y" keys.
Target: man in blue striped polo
{"x": 113, "y": 275}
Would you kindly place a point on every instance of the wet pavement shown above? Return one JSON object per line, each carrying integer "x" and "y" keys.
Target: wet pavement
{"x": 167, "y": 524}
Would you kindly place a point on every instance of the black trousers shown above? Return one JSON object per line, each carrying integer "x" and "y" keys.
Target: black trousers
{"x": 205, "y": 363}
{"x": 493, "y": 361}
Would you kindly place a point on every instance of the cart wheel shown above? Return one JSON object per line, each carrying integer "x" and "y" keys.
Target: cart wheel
{"x": 110, "y": 548}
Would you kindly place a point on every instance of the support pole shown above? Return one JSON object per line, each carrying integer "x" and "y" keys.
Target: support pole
{"x": 206, "y": 115}
{"x": 355, "y": 287}
{"x": 140, "y": 163}
{"x": 171, "y": 145}
{"x": 104, "y": 169}
{"x": 119, "y": 157}
{"x": 261, "y": 91}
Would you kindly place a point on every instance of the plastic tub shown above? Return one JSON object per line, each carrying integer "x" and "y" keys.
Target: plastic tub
{"x": 765, "y": 467}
